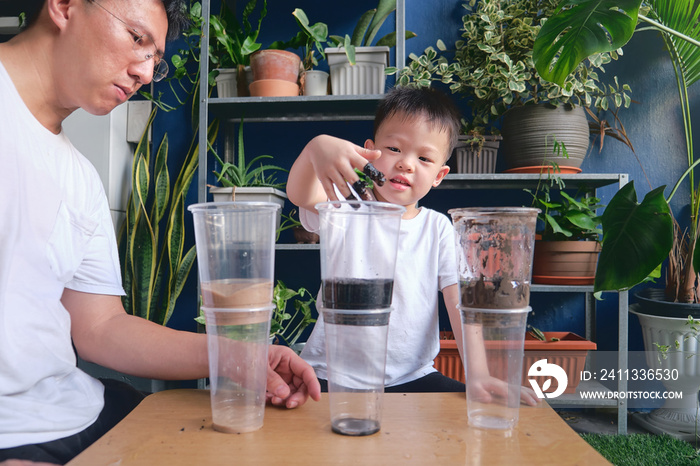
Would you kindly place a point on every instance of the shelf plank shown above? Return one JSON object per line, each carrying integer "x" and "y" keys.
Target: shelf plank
{"x": 299, "y": 108}
{"x": 297, "y": 247}
{"x": 574, "y": 399}
{"x": 527, "y": 180}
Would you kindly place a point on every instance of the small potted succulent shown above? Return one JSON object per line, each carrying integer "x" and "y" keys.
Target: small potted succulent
{"x": 247, "y": 181}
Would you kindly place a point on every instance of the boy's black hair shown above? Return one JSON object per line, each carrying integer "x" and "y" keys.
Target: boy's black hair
{"x": 439, "y": 110}
{"x": 176, "y": 10}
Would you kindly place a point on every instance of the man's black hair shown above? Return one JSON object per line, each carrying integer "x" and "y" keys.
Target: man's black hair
{"x": 176, "y": 10}
{"x": 439, "y": 110}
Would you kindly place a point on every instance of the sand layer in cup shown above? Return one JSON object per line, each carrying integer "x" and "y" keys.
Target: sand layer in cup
{"x": 230, "y": 293}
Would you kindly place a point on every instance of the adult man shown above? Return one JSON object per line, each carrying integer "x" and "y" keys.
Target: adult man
{"x": 59, "y": 272}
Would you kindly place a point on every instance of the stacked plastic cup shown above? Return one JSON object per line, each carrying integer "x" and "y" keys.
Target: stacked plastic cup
{"x": 494, "y": 259}
{"x": 235, "y": 244}
{"x": 359, "y": 242}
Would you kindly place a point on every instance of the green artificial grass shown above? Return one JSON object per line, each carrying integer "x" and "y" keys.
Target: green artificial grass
{"x": 643, "y": 449}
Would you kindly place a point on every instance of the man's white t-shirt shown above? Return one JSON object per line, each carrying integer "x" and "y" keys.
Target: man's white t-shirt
{"x": 55, "y": 232}
{"x": 426, "y": 263}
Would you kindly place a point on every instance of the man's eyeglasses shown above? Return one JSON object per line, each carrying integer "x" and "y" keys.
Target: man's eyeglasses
{"x": 144, "y": 48}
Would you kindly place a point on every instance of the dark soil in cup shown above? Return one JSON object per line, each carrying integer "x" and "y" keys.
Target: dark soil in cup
{"x": 496, "y": 294}
{"x": 357, "y": 293}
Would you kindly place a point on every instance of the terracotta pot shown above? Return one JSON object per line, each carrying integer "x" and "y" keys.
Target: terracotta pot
{"x": 569, "y": 353}
{"x": 305, "y": 237}
{"x": 275, "y": 64}
{"x": 448, "y": 361}
{"x": 565, "y": 262}
{"x": 273, "y": 88}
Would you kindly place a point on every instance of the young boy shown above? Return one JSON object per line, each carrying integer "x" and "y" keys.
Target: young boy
{"x": 414, "y": 133}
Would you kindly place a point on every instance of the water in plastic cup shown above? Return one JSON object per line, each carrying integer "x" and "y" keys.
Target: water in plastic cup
{"x": 494, "y": 255}
{"x": 235, "y": 252}
{"x": 499, "y": 335}
{"x": 238, "y": 340}
{"x": 356, "y": 359}
{"x": 359, "y": 242}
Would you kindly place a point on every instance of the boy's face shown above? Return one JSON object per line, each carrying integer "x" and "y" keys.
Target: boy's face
{"x": 413, "y": 159}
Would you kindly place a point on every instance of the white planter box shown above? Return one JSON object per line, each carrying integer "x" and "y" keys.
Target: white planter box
{"x": 366, "y": 76}
{"x": 470, "y": 160}
{"x": 221, "y": 194}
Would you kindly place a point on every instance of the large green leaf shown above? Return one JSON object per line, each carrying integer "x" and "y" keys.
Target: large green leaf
{"x": 636, "y": 238}
{"x": 582, "y": 28}
{"x": 358, "y": 34}
{"x": 384, "y": 9}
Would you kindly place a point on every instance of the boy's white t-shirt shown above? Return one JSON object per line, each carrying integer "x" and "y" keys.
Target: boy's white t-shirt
{"x": 426, "y": 263}
{"x": 55, "y": 232}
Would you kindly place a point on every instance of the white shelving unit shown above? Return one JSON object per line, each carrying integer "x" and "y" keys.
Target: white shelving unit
{"x": 361, "y": 107}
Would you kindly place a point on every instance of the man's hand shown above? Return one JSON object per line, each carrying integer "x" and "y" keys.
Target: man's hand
{"x": 290, "y": 380}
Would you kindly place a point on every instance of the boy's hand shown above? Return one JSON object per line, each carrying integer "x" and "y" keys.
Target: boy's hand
{"x": 334, "y": 161}
{"x": 491, "y": 390}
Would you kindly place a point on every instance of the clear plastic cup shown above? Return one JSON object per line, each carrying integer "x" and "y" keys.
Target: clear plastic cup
{"x": 494, "y": 341}
{"x": 235, "y": 252}
{"x": 494, "y": 255}
{"x": 238, "y": 341}
{"x": 356, "y": 357}
{"x": 359, "y": 242}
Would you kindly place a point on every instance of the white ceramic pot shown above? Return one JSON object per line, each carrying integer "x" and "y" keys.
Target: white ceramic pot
{"x": 226, "y": 81}
{"x": 366, "y": 76}
{"x": 677, "y": 417}
{"x": 315, "y": 82}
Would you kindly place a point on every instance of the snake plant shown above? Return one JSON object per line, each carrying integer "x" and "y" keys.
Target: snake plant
{"x": 151, "y": 240}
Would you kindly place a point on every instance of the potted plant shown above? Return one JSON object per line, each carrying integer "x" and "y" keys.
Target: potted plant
{"x": 286, "y": 327}
{"x": 301, "y": 235}
{"x": 492, "y": 69}
{"x": 247, "y": 181}
{"x": 154, "y": 262}
{"x": 476, "y": 153}
{"x": 565, "y": 349}
{"x": 357, "y": 66}
{"x": 312, "y": 37}
{"x": 639, "y": 237}
{"x": 567, "y": 245}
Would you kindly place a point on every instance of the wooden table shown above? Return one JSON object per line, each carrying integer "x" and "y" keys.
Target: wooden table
{"x": 174, "y": 427}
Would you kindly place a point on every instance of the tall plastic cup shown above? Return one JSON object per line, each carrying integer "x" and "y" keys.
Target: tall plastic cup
{"x": 493, "y": 342}
{"x": 238, "y": 341}
{"x": 359, "y": 242}
{"x": 235, "y": 252}
{"x": 494, "y": 255}
{"x": 356, "y": 357}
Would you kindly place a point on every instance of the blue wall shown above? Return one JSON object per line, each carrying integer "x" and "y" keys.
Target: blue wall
{"x": 653, "y": 123}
